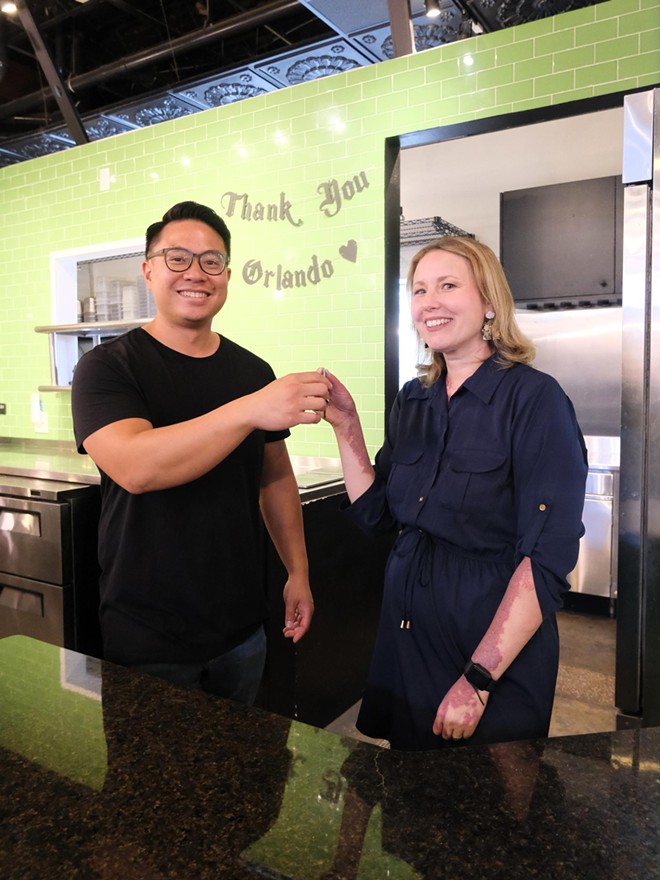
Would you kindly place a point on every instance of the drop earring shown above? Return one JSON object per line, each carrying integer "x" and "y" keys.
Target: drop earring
{"x": 487, "y": 328}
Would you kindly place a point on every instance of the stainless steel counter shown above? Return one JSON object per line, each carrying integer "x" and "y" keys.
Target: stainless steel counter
{"x": 46, "y": 460}
{"x": 51, "y": 460}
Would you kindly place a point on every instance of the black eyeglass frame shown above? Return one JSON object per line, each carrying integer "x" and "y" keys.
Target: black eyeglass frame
{"x": 164, "y": 252}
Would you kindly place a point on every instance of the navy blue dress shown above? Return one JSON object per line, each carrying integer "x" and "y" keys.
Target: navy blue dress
{"x": 474, "y": 485}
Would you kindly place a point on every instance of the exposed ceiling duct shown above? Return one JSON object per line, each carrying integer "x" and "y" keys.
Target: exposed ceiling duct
{"x": 196, "y": 39}
{"x": 170, "y": 58}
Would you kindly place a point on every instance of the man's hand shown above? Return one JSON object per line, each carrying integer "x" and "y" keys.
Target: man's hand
{"x": 298, "y": 609}
{"x": 295, "y": 399}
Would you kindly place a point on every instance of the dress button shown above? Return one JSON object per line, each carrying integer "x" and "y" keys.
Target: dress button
{"x": 421, "y": 498}
{"x": 541, "y": 506}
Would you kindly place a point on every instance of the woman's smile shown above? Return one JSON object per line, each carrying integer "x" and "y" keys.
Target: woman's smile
{"x": 447, "y": 307}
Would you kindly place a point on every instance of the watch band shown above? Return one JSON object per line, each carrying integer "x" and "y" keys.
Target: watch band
{"x": 479, "y": 677}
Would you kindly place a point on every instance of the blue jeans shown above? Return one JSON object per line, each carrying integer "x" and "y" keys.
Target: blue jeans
{"x": 236, "y": 674}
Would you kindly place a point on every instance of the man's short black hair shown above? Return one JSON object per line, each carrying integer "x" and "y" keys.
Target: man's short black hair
{"x": 189, "y": 211}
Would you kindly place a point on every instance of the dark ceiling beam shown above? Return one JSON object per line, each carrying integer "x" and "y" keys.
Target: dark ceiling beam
{"x": 267, "y": 27}
{"x": 470, "y": 9}
{"x": 236, "y": 24}
{"x": 131, "y": 10}
{"x": 401, "y": 27}
{"x": 78, "y": 9}
{"x": 3, "y": 48}
{"x": 81, "y": 9}
{"x": 58, "y": 88}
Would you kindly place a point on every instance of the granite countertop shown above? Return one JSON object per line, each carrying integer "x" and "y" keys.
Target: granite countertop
{"x": 113, "y": 775}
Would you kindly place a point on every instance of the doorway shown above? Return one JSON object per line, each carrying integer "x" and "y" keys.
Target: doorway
{"x": 459, "y": 181}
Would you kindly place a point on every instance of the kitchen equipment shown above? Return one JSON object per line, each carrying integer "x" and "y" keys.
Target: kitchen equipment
{"x": 89, "y": 309}
{"x": 319, "y": 483}
{"x": 581, "y": 348}
{"x": 595, "y": 572}
{"x": 323, "y": 675}
{"x": 637, "y": 694}
{"x": 561, "y": 243}
{"x": 48, "y": 567}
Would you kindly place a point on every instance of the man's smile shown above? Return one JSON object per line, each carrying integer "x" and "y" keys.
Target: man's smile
{"x": 193, "y": 294}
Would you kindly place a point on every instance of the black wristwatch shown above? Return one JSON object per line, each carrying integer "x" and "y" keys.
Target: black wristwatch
{"x": 479, "y": 677}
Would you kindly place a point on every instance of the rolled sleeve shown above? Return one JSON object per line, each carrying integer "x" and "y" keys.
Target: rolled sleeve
{"x": 371, "y": 511}
{"x": 550, "y": 472}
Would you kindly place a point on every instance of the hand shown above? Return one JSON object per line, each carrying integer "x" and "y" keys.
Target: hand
{"x": 340, "y": 405}
{"x": 296, "y": 399}
{"x": 298, "y": 609}
{"x": 460, "y": 711}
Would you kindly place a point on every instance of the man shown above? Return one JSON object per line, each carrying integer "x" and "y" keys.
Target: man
{"x": 187, "y": 429}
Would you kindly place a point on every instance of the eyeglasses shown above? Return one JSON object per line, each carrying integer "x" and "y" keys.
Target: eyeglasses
{"x": 179, "y": 259}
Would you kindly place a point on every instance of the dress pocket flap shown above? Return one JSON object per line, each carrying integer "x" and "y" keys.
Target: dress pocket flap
{"x": 477, "y": 461}
{"x": 407, "y": 453}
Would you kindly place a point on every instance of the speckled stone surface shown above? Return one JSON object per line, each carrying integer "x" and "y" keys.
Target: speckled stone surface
{"x": 109, "y": 775}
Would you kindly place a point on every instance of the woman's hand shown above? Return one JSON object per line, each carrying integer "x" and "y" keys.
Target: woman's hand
{"x": 460, "y": 711}
{"x": 342, "y": 414}
{"x": 340, "y": 405}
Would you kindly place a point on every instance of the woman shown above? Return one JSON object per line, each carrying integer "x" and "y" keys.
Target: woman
{"x": 483, "y": 470}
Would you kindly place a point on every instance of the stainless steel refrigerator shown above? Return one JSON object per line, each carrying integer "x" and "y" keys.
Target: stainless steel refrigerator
{"x": 581, "y": 348}
{"x": 637, "y": 694}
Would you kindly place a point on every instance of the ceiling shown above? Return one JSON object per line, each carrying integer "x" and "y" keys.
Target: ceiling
{"x": 73, "y": 71}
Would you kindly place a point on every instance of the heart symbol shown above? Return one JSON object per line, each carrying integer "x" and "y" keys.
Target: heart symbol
{"x": 349, "y": 250}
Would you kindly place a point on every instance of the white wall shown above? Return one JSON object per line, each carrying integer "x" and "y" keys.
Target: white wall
{"x": 461, "y": 180}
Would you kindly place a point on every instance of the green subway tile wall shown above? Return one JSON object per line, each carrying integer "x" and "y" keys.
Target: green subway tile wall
{"x": 316, "y": 153}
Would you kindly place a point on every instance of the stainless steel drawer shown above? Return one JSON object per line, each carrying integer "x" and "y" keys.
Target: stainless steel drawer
{"x": 600, "y": 483}
{"x": 35, "y": 539}
{"x": 35, "y": 609}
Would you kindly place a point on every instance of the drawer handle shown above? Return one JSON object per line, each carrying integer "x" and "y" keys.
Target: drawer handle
{"x": 22, "y": 600}
{"x": 20, "y": 522}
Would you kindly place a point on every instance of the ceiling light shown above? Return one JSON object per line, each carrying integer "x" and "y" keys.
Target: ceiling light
{"x": 432, "y": 8}
{"x": 9, "y": 8}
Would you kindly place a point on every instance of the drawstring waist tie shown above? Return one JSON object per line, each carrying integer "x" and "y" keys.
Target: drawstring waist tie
{"x": 418, "y": 545}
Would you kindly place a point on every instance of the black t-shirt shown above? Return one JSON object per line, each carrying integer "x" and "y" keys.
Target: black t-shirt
{"x": 182, "y": 573}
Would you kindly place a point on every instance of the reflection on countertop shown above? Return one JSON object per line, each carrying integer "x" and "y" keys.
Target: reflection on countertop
{"x": 111, "y": 774}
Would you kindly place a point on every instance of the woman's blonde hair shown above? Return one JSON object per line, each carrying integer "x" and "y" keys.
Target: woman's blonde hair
{"x": 509, "y": 342}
